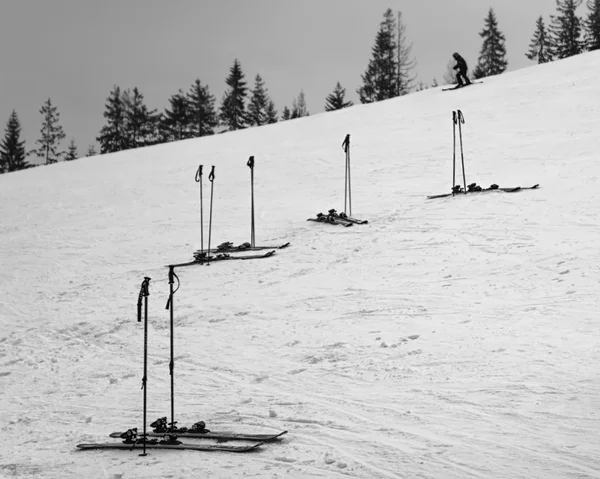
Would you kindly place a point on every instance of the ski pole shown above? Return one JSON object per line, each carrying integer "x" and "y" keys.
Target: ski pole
{"x": 250, "y": 164}
{"x": 144, "y": 293}
{"x": 461, "y": 120}
{"x": 211, "y": 178}
{"x": 454, "y": 120}
{"x": 347, "y": 185}
{"x": 171, "y": 307}
{"x": 199, "y": 180}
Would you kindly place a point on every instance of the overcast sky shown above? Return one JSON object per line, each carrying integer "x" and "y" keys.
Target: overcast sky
{"x": 74, "y": 51}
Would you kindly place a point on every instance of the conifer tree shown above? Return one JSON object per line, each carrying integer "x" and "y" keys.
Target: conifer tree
{"x": 52, "y": 135}
{"x": 113, "y": 135}
{"x": 12, "y": 148}
{"x": 271, "y": 112}
{"x": 72, "y": 151}
{"x": 380, "y": 80}
{"x": 435, "y": 83}
{"x": 299, "y": 108}
{"x": 539, "y": 48}
{"x": 404, "y": 62}
{"x": 335, "y": 100}
{"x": 233, "y": 110}
{"x": 91, "y": 151}
{"x": 176, "y": 122}
{"x": 286, "y": 114}
{"x": 565, "y": 30}
{"x": 449, "y": 76}
{"x": 257, "y": 108}
{"x": 492, "y": 56}
{"x": 141, "y": 124}
{"x": 201, "y": 105}
{"x": 592, "y": 25}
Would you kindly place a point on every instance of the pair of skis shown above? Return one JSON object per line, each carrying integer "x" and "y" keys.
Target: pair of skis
{"x": 457, "y": 87}
{"x": 335, "y": 218}
{"x": 229, "y": 247}
{"x": 170, "y": 438}
{"x": 459, "y": 191}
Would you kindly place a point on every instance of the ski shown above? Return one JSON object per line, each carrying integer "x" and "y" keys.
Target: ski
{"x": 345, "y": 217}
{"x": 456, "y": 87}
{"x": 330, "y": 220}
{"x": 223, "y": 257}
{"x": 221, "y": 436}
{"x": 476, "y": 189}
{"x": 167, "y": 445}
{"x": 162, "y": 428}
{"x": 228, "y": 247}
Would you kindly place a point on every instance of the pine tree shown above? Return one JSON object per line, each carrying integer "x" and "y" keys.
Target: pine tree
{"x": 592, "y": 25}
{"x": 492, "y": 56}
{"x": 91, "y": 151}
{"x": 539, "y": 49}
{"x": 52, "y": 135}
{"x": 201, "y": 104}
{"x": 335, "y": 100}
{"x": 286, "y": 114}
{"x": 271, "y": 112}
{"x": 177, "y": 122}
{"x": 113, "y": 135}
{"x": 233, "y": 110}
{"x": 257, "y": 108}
{"x": 404, "y": 63}
{"x": 565, "y": 30}
{"x": 72, "y": 151}
{"x": 380, "y": 80}
{"x": 141, "y": 128}
{"x": 12, "y": 148}
{"x": 435, "y": 83}
{"x": 449, "y": 76}
{"x": 299, "y": 108}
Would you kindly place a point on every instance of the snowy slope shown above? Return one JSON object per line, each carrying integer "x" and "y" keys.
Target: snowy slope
{"x": 449, "y": 338}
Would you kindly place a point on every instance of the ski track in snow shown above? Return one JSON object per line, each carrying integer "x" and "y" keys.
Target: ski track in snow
{"x": 448, "y": 338}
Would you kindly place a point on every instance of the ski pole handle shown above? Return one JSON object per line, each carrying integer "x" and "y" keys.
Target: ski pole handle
{"x": 211, "y": 177}
{"x": 199, "y": 174}
{"x": 461, "y": 118}
{"x": 250, "y": 163}
{"x": 346, "y": 143}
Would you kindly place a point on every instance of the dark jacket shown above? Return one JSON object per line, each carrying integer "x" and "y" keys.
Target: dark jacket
{"x": 461, "y": 64}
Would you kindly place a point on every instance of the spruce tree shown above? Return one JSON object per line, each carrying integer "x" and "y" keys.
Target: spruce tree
{"x": 91, "y": 151}
{"x": 380, "y": 80}
{"x": 492, "y": 56}
{"x": 113, "y": 135}
{"x": 141, "y": 127}
{"x": 335, "y": 100}
{"x": 449, "y": 76}
{"x": 12, "y": 148}
{"x": 565, "y": 30}
{"x": 592, "y": 25}
{"x": 233, "y": 110}
{"x": 257, "y": 107}
{"x": 271, "y": 112}
{"x": 404, "y": 62}
{"x": 539, "y": 48}
{"x": 52, "y": 135}
{"x": 435, "y": 83}
{"x": 299, "y": 108}
{"x": 201, "y": 104}
{"x": 286, "y": 114}
{"x": 177, "y": 122}
{"x": 72, "y": 151}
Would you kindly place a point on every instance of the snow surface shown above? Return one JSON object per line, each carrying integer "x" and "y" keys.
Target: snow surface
{"x": 449, "y": 338}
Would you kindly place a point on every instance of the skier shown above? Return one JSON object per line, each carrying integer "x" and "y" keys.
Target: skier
{"x": 461, "y": 66}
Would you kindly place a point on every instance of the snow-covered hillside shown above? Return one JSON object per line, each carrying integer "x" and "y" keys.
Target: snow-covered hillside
{"x": 448, "y": 338}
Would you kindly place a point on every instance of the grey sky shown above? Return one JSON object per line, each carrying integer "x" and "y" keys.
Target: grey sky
{"x": 74, "y": 51}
